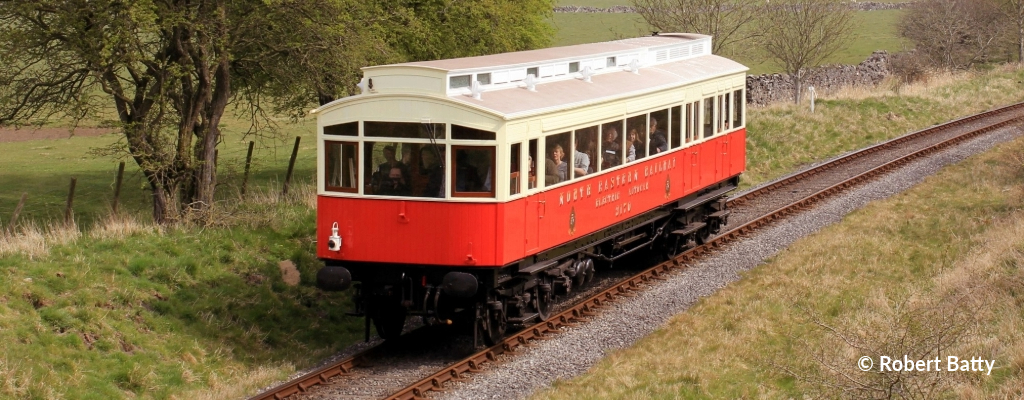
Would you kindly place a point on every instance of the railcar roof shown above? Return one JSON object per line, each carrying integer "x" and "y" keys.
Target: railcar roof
{"x": 617, "y": 69}
{"x": 572, "y": 92}
{"x": 552, "y": 53}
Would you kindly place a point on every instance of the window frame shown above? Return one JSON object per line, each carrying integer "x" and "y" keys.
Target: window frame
{"x": 453, "y": 150}
{"x": 341, "y": 189}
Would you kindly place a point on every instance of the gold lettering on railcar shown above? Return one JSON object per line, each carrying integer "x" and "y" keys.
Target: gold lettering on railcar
{"x": 607, "y": 188}
{"x": 573, "y": 194}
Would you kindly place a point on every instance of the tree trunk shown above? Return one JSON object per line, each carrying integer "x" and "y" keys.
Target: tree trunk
{"x": 797, "y": 86}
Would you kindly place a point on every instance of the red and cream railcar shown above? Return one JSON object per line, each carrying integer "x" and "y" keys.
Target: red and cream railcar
{"x": 475, "y": 189}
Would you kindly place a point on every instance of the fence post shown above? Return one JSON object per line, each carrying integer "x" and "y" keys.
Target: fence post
{"x": 248, "y": 162}
{"x": 17, "y": 211}
{"x": 117, "y": 186}
{"x": 291, "y": 166}
{"x": 71, "y": 198}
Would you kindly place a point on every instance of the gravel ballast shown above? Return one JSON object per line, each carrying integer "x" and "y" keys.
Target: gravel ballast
{"x": 575, "y": 350}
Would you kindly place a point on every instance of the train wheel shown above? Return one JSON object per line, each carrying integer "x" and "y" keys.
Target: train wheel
{"x": 495, "y": 323}
{"x": 704, "y": 235}
{"x": 543, "y": 297}
{"x": 591, "y": 271}
{"x": 389, "y": 322}
{"x": 673, "y": 246}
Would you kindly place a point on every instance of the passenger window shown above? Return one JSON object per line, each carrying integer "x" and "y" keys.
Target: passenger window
{"x": 611, "y": 146}
{"x": 677, "y": 127}
{"x": 387, "y": 169}
{"x": 584, "y": 156}
{"x": 689, "y": 123}
{"x": 709, "y": 117}
{"x": 723, "y": 113}
{"x": 531, "y": 161}
{"x": 473, "y": 171}
{"x": 412, "y": 130}
{"x": 694, "y": 119}
{"x": 348, "y": 129}
{"x": 737, "y": 107}
{"x": 404, "y": 169}
{"x": 428, "y": 180}
{"x": 556, "y": 168}
{"x": 464, "y": 133}
{"x": 515, "y": 183}
{"x": 657, "y": 139}
{"x": 636, "y": 138}
{"x": 340, "y": 160}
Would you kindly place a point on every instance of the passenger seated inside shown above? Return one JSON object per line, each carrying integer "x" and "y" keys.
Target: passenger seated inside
{"x": 659, "y": 143}
{"x": 395, "y": 184}
{"x": 634, "y": 145}
{"x": 581, "y": 161}
{"x": 555, "y": 169}
{"x": 382, "y": 178}
{"x": 532, "y": 183}
{"x": 611, "y": 148}
{"x": 434, "y": 172}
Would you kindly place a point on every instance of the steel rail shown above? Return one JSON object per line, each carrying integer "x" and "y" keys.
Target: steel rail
{"x": 589, "y": 307}
{"x": 581, "y": 311}
{"x": 846, "y": 158}
{"x": 316, "y": 377}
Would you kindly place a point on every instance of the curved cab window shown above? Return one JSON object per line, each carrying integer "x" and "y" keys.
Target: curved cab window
{"x": 341, "y": 160}
{"x": 404, "y": 169}
{"x": 464, "y": 133}
{"x": 473, "y": 171}
{"x": 347, "y": 129}
{"x": 411, "y": 130}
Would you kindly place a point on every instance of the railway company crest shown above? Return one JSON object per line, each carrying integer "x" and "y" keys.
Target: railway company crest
{"x": 572, "y": 221}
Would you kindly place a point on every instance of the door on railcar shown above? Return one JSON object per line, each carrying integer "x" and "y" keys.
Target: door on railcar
{"x": 723, "y": 160}
{"x": 533, "y": 203}
{"x": 694, "y": 166}
{"x": 535, "y": 208}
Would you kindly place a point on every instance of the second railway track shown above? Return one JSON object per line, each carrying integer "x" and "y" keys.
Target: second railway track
{"x": 751, "y": 209}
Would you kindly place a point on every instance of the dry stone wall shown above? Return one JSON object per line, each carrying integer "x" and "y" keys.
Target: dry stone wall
{"x": 770, "y": 88}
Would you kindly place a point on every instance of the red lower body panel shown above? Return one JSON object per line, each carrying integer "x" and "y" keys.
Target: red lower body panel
{"x": 495, "y": 234}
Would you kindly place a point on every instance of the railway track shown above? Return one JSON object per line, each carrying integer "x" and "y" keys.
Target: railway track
{"x": 751, "y": 210}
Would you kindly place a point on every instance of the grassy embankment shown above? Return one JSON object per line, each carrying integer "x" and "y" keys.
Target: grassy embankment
{"x": 945, "y": 256}
{"x": 119, "y": 308}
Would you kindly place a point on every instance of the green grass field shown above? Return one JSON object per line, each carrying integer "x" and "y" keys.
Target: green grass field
{"x": 41, "y": 169}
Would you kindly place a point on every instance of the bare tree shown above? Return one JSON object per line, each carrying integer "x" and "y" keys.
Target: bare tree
{"x": 1013, "y": 10}
{"x": 953, "y": 34}
{"x": 802, "y": 34}
{"x": 728, "y": 21}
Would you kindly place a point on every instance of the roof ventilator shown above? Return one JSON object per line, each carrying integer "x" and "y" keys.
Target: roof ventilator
{"x": 634, "y": 66}
{"x": 586, "y": 73}
{"x": 475, "y": 89}
{"x": 531, "y": 83}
